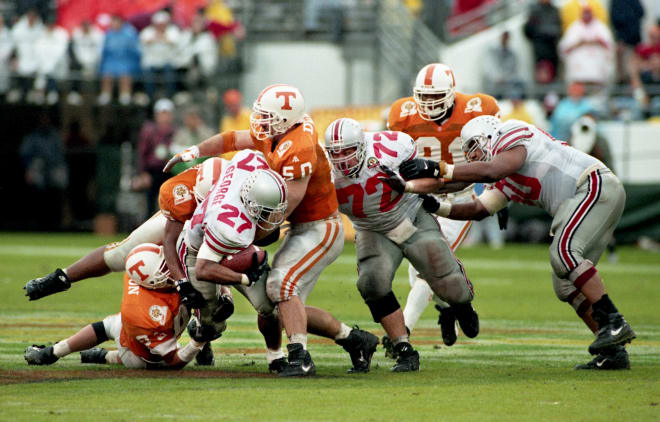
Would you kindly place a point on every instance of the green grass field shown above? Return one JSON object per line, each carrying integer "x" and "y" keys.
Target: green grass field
{"x": 519, "y": 368}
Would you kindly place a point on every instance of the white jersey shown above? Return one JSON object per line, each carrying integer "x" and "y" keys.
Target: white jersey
{"x": 221, "y": 221}
{"x": 551, "y": 172}
{"x": 368, "y": 202}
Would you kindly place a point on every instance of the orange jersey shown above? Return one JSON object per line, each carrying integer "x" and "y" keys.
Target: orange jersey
{"x": 176, "y": 197}
{"x": 298, "y": 154}
{"x": 149, "y": 323}
{"x": 440, "y": 141}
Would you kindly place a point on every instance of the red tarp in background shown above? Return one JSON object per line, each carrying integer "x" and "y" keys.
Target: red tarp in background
{"x": 70, "y": 13}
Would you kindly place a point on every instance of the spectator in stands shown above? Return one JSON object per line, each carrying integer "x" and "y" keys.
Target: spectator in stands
{"x": 568, "y": 110}
{"x": 198, "y": 53}
{"x": 543, "y": 29}
{"x": 193, "y": 132}
{"x": 571, "y": 11}
{"x": 587, "y": 49}
{"x": 500, "y": 68}
{"x": 154, "y": 151}
{"x": 235, "y": 116}
{"x": 120, "y": 59}
{"x": 643, "y": 68}
{"x": 521, "y": 109}
{"x": 45, "y": 173}
{"x": 159, "y": 47}
{"x": 224, "y": 27}
{"x": 626, "y": 21}
{"x": 51, "y": 49}
{"x": 25, "y": 34}
{"x": 6, "y": 49}
{"x": 86, "y": 47}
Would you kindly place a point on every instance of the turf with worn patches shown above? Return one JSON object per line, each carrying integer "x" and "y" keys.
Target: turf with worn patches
{"x": 519, "y": 368}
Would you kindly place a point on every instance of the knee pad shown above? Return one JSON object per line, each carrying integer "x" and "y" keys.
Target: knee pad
{"x": 383, "y": 306}
{"x": 115, "y": 254}
{"x": 151, "y": 231}
{"x": 582, "y": 273}
{"x": 566, "y": 292}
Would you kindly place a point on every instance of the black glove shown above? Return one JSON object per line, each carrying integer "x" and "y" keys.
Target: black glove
{"x": 392, "y": 180}
{"x": 503, "y": 218}
{"x": 188, "y": 295}
{"x": 418, "y": 168}
{"x": 430, "y": 203}
{"x": 257, "y": 270}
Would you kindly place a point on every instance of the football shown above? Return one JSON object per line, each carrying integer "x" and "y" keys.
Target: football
{"x": 242, "y": 261}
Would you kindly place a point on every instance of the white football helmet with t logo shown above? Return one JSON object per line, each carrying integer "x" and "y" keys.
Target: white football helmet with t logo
{"x": 277, "y": 108}
{"x": 146, "y": 266}
{"x": 208, "y": 174}
{"x": 342, "y": 136}
{"x": 434, "y": 91}
{"x": 477, "y": 135}
{"x": 264, "y": 195}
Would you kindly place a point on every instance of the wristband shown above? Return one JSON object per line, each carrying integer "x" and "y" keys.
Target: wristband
{"x": 245, "y": 280}
{"x": 410, "y": 186}
{"x": 445, "y": 209}
{"x": 449, "y": 172}
{"x": 228, "y": 141}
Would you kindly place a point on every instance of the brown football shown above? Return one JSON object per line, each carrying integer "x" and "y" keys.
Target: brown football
{"x": 242, "y": 261}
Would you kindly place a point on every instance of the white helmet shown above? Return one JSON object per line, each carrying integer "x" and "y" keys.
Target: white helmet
{"x": 208, "y": 174}
{"x": 434, "y": 91}
{"x": 477, "y": 134}
{"x": 264, "y": 194}
{"x": 146, "y": 266}
{"x": 277, "y": 108}
{"x": 343, "y": 134}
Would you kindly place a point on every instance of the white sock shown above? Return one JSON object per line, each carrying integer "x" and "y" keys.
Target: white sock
{"x": 299, "y": 338}
{"x": 344, "y": 332}
{"x": 112, "y": 357}
{"x": 419, "y": 297}
{"x": 272, "y": 355}
{"x": 401, "y": 339}
{"x": 61, "y": 349}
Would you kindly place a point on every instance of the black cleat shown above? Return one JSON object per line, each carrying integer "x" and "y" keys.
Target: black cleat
{"x": 616, "y": 332}
{"x": 447, "y": 323}
{"x": 225, "y": 308}
{"x": 55, "y": 282}
{"x": 467, "y": 319}
{"x": 408, "y": 359}
{"x": 361, "y": 345}
{"x": 276, "y": 366}
{"x": 609, "y": 359}
{"x": 300, "y": 362}
{"x": 205, "y": 356}
{"x": 95, "y": 355}
{"x": 389, "y": 347}
{"x": 39, "y": 355}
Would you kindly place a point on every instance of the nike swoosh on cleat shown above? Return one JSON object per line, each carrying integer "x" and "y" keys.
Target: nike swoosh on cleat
{"x": 600, "y": 364}
{"x": 617, "y": 331}
{"x": 306, "y": 368}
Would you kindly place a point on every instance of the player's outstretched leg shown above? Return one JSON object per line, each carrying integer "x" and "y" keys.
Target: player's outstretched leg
{"x": 40, "y": 355}
{"x": 608, "y": 359}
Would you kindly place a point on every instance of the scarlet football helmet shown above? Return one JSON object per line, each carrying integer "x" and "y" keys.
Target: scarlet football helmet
{"x": 434, "y": 91}
{"x": 277, "y": 108}
{"x": 477, "y": 134}
{"x": 207, "y": 175}
{"x": 146, "y": 266}
{"x": 264, "y": 194}
{"x": 342, "y": 135}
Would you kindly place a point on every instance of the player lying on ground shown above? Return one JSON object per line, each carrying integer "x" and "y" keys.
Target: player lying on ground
{"x": 390, "y": 226}
{"x": 147, "y": 328}
{"x": 433, "y": 116}
{"x": 582, "y": 195}
{"x": 280, "y": 129}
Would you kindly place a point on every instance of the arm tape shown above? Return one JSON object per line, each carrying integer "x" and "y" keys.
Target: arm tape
{"x": 187, "y": 353}
{"x": 493, "y": 200}
{"x": 228, "y": 141}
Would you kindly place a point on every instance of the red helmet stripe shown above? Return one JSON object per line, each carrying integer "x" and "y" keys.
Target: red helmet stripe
{"x": 428, "y": 77}
{"x": 335, "y": 132}
{"x": 268, "y": 88}
{"x": 147, "y": 248}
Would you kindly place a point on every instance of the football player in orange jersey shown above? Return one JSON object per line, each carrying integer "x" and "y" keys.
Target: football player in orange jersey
{"x": 147, "y": 328}
{"x": 281, "y": 130}
{"x": 434, "y": 117}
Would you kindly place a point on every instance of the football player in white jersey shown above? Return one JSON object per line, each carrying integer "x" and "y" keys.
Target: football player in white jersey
{"x": 248, "y": 197}
{"x": 390, "y": 226}
{"x": 582, "y": 195}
